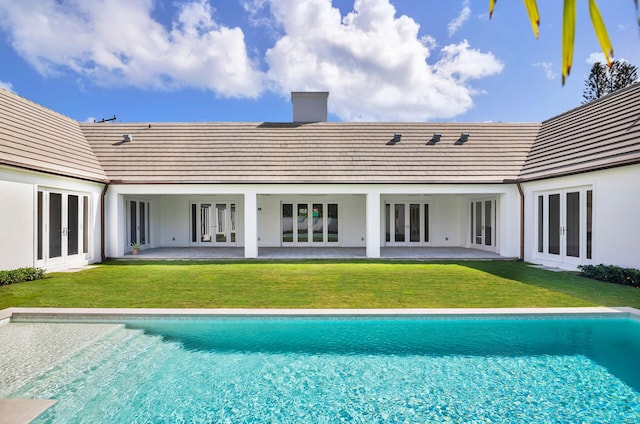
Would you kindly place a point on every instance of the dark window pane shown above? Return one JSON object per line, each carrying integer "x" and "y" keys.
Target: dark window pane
{"x": 134, "y": 221}
{"x": 540, "y": 224}
{"x": 194, "y": 223}
{"x": 387, "y": 215}
{"x": 399, "y": 221}
{"x": 414, "y": 222}
{"x": 55, "y": 225}
{"x": 85, "y": 224}
{"x": 426, "y": 222}
{"x": 303, "y": 223}
{"x": 554, "y": 224}
{"x": 478, "y": 232}
{"x": 589, "y": 223}
{"x": 287, "y": 222}
{"x": 573, "y": 224}
{"x": 488, "y": 223}
{"x": 332, "y": 222}
{"x": 318, "y": 222}
{"x": 143, "y": 223}
{"x": 72, "y": 225}
{"x": 40, "y": 225}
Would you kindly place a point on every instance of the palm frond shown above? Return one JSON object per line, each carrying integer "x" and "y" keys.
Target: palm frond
{"x": 534, "y": 17}
{"x": 568, "y": 37}
{"x": 601, "y": 31}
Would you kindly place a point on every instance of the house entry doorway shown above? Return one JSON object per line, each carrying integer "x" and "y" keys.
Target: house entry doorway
{"x": 406, "y": 224}
{"x": 62, "y": 227}
{"x": 309, "y": 224}
{"x": 564, "y": 225}
{"x": 483, "y": 224}
{"x": 213, "y": 224}
{"x": 138, "y": 218}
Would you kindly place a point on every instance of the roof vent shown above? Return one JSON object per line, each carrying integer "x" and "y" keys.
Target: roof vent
{"x": 127, "y": 138}
{"x": 309, "y": 106}
{"x": 397, "y": 137}
{"x": 463, "y": 138}
{"x": 435, "y": 139}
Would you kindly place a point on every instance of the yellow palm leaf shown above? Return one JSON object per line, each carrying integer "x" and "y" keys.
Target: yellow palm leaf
{"x": 568, "y": 34}
{"x": 492, "y": 4}
{"x": 601, "y": 31}
{"x": 534, "y": 17}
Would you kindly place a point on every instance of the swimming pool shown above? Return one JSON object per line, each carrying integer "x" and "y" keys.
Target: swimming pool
{"x": 340, "y": 368}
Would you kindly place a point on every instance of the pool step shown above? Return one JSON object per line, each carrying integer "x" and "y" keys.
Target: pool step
{"x": 116, "y": 344}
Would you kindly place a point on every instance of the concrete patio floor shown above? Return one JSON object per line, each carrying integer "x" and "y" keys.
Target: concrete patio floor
{"x": 392, "y": 253}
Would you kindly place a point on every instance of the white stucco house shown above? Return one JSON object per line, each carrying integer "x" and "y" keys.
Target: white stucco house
{"x": 561, "y": 193}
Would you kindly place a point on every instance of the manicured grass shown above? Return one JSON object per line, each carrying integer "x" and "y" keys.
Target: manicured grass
{"x": 316, "y": 284}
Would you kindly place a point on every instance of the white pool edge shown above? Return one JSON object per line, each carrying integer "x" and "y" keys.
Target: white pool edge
{"x": 6, "y": 315}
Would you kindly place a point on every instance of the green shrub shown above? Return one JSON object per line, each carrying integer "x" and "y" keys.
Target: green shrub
{"x": 611, "y": 274}
{"x": 19, "y": 275}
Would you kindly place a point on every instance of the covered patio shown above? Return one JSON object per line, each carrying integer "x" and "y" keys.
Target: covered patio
{"x": 391, "y": 253}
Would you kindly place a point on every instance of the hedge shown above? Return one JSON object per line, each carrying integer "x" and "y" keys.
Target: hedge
{"x": 611, "y": 274}
{"x": 19, "y": 275}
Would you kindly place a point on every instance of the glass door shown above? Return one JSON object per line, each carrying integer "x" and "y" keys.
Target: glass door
{"x": 139, "y": 212}
{"x": 406, "y": 224}
{"x": 564, "y": 225}
{"x": 313, "y": 224}
{"x": 483, "y": 228}
{"x": 213, "y": 224}
{"x": 61, "y": 226}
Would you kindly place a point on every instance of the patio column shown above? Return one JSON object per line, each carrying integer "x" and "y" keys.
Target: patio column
{"x": 373, "y": 224}
{"x": 250, "y": 225}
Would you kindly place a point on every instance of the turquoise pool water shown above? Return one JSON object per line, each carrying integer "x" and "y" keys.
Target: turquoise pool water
{"x": 363, "y": 370}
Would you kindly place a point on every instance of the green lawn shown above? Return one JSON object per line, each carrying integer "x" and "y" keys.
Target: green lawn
{"x": 316, "y": 284}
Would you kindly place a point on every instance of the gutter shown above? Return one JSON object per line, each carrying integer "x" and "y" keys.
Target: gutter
{"x": 102, "y": 196}
{"x": 521, "y": 220}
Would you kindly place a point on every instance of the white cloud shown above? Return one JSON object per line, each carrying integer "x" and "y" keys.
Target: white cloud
{"x": 117, "y": 42}
{"x": 7, "y": 86}
{"x": 596, "y": 57}
{"x": 462, "y": 17}
{"x": 547, "y": 67}
{"x": 376, "y": 65}
{"x": 373, "y": 63}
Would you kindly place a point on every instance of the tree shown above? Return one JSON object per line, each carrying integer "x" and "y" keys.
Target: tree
{"x": 604, "y": 80}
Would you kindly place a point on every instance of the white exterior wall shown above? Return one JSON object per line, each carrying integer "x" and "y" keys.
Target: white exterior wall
{"x": 16, "y": 224}
{"x": 449, "y": 211}
{"x": 616, "y": 216}
{"x": 18, "y": 217}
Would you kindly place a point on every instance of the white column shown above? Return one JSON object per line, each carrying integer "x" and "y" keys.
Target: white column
{"x": 373, "y": 224}
{"x": 250, "y": 225}
{"x": 115, "y": 223}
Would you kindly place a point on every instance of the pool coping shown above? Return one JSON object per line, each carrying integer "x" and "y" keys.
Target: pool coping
{"x": 6, "y": 315}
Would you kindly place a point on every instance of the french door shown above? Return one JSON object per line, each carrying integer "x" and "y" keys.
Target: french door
{"x": 564, "y": 225}
{"x": 309, "y": 224}
{"x": 213, "y": 224}
{"x": 138, "y": 217}
{"x": 62, "y": 227}
{"x": 483, "y": 224}
{"x": 406, "y": 224}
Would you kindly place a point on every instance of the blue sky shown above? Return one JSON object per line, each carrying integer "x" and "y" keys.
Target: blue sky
{"x": 238, "y": 60}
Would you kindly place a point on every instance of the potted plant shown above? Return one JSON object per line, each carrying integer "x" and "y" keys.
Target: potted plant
{"x": 135, "y": 248}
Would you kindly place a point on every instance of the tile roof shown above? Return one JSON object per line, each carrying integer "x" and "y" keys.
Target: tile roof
{"x": 34, "y": 137}
{"x": 324, "y": 152}
{"x": 601, "y": 134}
